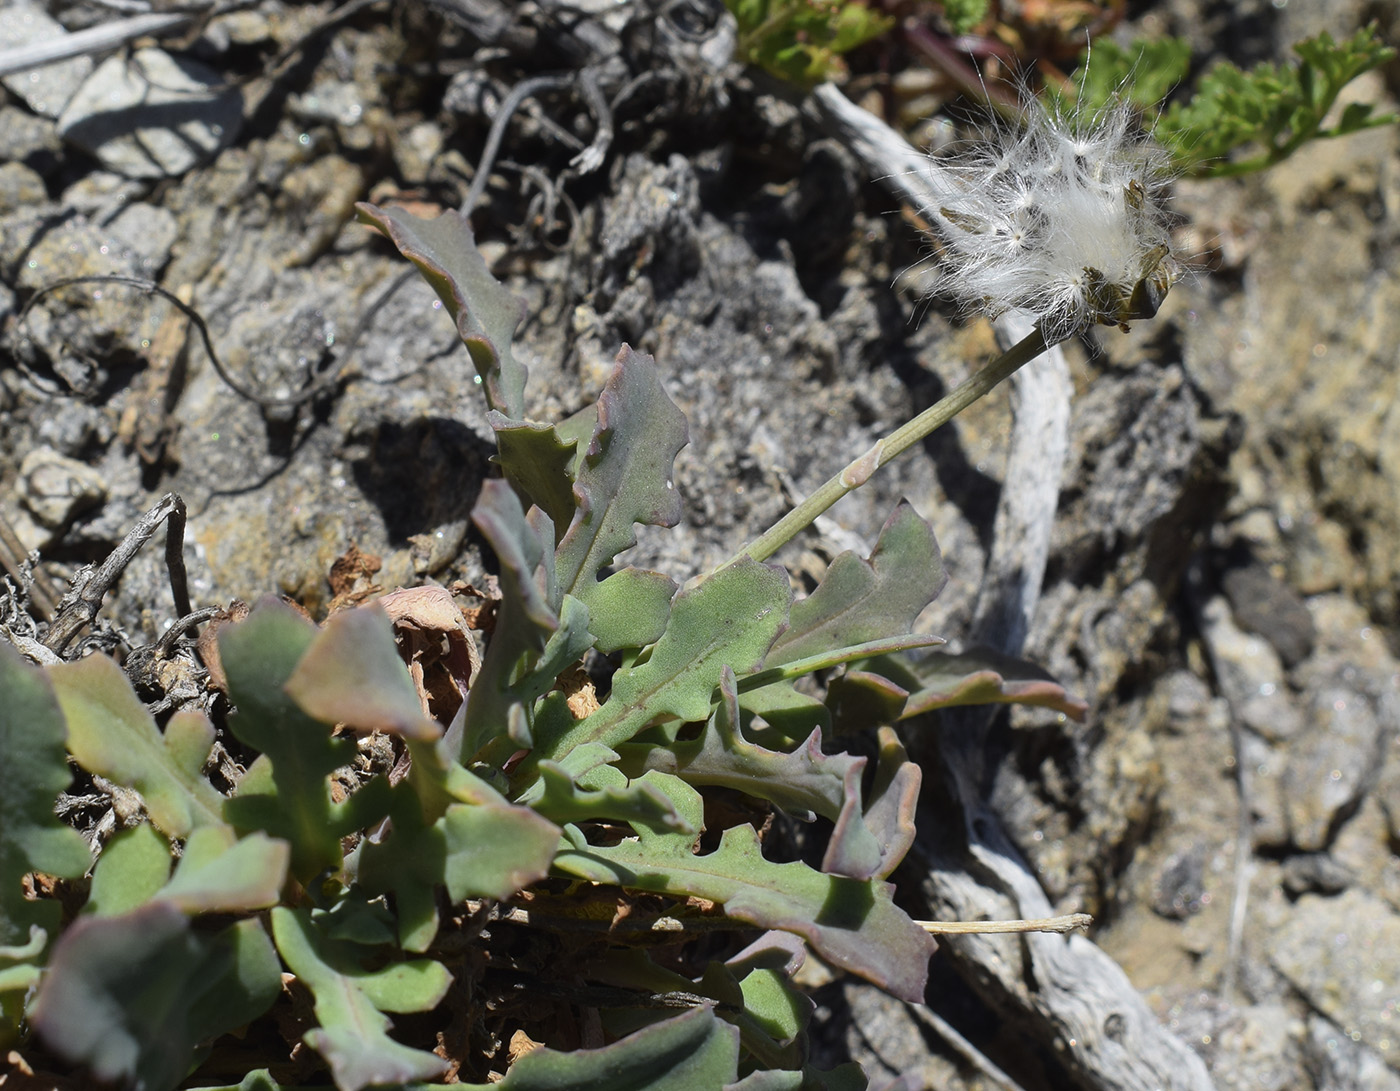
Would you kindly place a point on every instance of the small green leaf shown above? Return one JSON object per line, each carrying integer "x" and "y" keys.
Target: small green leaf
{"x": 692, "y": 1052}
{"x": 494, "y": 852}
{"x": 730, "y": 620}
{"x": 754, "y": 992}
{"x": 133, "y": 866}
{"x": 801, "y": 40}
{"x": 352, "y": 1035}
{"x": 625, "y": 479}
{"x": 964, "y": 15}
{"x": 630, "y": 608}
{"x": 608, "y": 794}
{"x": 1357, "y": 116}
{"x": 351, "y": 674}
{"x": 32, "y": 838}
{"x": 111, "y": 733}
{"x": 132, "y": 996}
{"x": 771, "y": 1001}
{"x": 486, "y": 314}
{"x": 286, "y": 792}
{"x": 538, "y": 462}
{"x": 775, "y": 1012}
{"x": 416, "y": 985}
{"x": 863, "y": 600}
{"x": 221, "y": 875}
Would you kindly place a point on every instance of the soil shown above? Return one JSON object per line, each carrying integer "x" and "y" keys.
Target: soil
{"x": 1222, "y": 586}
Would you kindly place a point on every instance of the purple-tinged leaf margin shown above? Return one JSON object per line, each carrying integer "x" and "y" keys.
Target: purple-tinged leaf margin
{"x": 980, "y": 676}
{"x": 851, "y": 923}
{"x": 485, "y": 313}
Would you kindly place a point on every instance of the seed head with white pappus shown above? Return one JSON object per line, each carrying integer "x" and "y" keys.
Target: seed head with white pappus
{"x": 1064, "y": 219}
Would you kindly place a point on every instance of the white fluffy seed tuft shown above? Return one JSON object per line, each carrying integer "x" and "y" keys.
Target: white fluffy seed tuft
{"x": 1064, "y": 219}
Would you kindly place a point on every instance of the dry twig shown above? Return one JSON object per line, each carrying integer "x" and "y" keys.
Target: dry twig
{"x": 92, "y": 582}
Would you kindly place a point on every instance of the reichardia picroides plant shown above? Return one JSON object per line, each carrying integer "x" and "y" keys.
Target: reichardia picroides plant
{"x": 544, "y": 885}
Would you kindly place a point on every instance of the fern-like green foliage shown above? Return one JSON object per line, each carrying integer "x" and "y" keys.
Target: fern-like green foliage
{"x": 963, "y": 15}
{"x": 1272, "y": 110}
{"x": 1235, "y": 121}
{"x": 801, "y": 41}
{"x": 1145, "y": 72}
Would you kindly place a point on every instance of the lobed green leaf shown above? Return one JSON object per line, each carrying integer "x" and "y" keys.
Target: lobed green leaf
{"x": 32, "y": 734}
{"x": 804, "y": 782}
{"x": 286, "y": 792}
{"x": 689, "y": 1052}
{"x": 625, "y": 479}
{"x": 353, "y": 1033}
{"x": 132, "y": 996}
{"x": 1271, "y": 110}
{"x": 859, "y": 600}
{"x": 525, "y": 621}
{"x": 603, "y": 792}
{"x": 111, "y": 733}
{"x": 980, "y": 676}
{"x": 853, "y": 924}
{"x": 485, "y": 313}
{"x": 729, "y": 620}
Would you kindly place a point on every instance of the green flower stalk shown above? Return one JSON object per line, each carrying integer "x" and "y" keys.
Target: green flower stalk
{"x": 1063, "y": 220}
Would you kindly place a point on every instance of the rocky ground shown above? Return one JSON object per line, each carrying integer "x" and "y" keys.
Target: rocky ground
{"x": 1222, "y": 584}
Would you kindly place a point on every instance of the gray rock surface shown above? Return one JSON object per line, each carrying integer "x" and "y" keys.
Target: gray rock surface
{"x": 45, "y": 90}
{"x": 152, "y": 115}
{"x": 1343, "y": 956}
{"x": 1336, "y": 1062}
{"x": 55, "y": 488}
{"x": 20, "y": 186}
{"x": 28, "y": 138}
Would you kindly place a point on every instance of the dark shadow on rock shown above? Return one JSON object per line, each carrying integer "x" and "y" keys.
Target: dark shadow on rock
{"x": 971, "y": 491}
{"x": 421, "y": 474}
